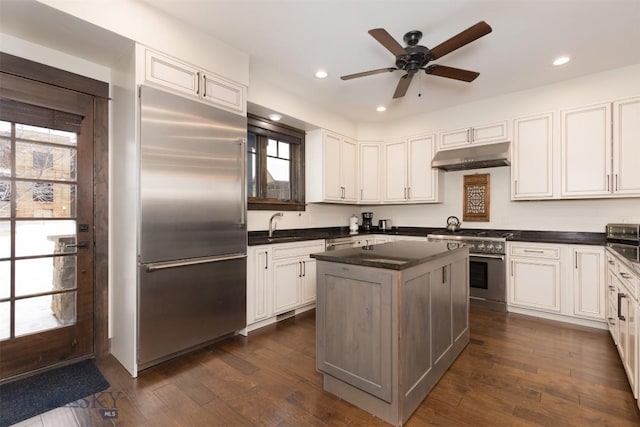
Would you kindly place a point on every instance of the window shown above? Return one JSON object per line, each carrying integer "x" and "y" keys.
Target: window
{"x": 275, "y": 166}
{"x": 5, "y": 192}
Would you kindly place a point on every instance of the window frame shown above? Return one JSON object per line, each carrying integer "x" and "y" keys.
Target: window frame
{"x": 265, "y": 129}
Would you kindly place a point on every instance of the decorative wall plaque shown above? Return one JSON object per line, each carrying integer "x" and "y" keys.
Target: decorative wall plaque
{"x": 476, "y": 204}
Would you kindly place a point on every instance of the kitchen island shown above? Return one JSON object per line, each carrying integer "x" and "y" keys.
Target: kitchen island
{"x": 390, "y": 320}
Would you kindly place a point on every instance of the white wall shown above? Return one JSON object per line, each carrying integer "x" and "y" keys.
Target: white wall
{"x": 146, "y": 25}
{"x": 316, "y": 215}
{"x": 54, "y": 58}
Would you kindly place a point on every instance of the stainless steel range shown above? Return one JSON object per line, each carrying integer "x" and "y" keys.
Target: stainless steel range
{"x": 487, "y": 267}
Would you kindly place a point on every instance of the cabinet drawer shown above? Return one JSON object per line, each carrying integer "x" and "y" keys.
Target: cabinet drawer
{"x": 288, "y": 250}
{"x": 532, "y": 250}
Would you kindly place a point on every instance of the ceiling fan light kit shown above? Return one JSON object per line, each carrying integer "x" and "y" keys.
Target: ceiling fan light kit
{"x": 415, "y": 57}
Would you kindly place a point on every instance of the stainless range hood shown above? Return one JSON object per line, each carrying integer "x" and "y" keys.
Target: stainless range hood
{"x": 473, "y": 157}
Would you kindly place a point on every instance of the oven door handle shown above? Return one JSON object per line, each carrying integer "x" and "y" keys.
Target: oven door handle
{"x": 501, "y": 257}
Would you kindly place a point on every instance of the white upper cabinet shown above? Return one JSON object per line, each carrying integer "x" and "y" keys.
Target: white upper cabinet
{"x": 586, "y": 151}
{"x": 369, "y": 178}
{"x": 178, "y": 76}
{"x": 408, "y": 176}
{"x": 626, "y": 147}
{"x": 481, "y": 134}
{"x": 532, "y": 158}
{"x": 331, "y": 161}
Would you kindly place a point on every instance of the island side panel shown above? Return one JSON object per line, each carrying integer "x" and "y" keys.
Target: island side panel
{"x": 353, "y": 326}
{"x": 460, "y": 298}
{"x": 444, "y": 329}
{"x": 415, "y": 337}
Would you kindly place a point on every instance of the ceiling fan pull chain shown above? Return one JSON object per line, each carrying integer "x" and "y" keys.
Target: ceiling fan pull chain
{"x": 420, "y": 85}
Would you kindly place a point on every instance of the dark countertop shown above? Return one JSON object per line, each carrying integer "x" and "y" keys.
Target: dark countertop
{"x": 392, "y": 256}
{"x": 301, "y": 234}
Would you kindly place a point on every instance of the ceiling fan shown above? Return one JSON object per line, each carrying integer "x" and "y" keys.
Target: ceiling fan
{"x": 414, "y": 57}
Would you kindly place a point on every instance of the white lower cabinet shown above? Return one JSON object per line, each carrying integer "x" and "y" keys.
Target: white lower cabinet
{"x": 557, "y": 281}
{"x": 623, "y": 312}
{"x": 280, "y": 278}
{"x": 588, "y": 282}
{"x": 535, "y": 280}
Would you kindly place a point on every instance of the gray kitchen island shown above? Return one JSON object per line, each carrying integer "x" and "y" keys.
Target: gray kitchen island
{"x": 390, "y": 320}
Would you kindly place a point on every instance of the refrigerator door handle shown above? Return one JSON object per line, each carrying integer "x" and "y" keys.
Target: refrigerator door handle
{"x": 154, "y": 266}
{"x": 243, "y": 156}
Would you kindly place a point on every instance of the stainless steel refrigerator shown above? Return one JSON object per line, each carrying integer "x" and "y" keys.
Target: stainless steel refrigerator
{"x": 193, "y": 234}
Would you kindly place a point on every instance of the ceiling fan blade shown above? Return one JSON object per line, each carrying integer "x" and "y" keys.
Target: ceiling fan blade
{"x": 451, "y": 73}
{"x": 368, "y": 73}
{"x": 385, "y": 39}
{"x": 467, "y": 36}
{"x": 403, "y": 85}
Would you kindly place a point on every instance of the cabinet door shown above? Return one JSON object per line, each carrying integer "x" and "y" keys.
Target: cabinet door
{"x": 454, "y": 138}
{"x": 395, "y": 172}
{"x": 332, "y": 187}
{"x": 422, "y": 180}
{"x": 612, "y": 305}
{"x": 258, "y": 284}
{"x": 588, "y": 283}
{"x": 586, "y": 151}
{"x": 532, "y": 158}
{"x": 286, "y": 289}
{"x": 441, "y": 305}
{"x": 308, "y": 283}
{"x": 348, "y": 170}
{"x": 535, "y": 283}
{"x": 171, "y": 73}
{"x": 490, "y": 133}
{"x": 369, "y": 175}
{"x": 224, "y": 93}
{"x": 626, "y": 147}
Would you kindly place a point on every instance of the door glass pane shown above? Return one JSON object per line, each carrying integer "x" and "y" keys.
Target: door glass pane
{"x": 5, "y": 279}
{"x": 45, "y": 312}
{"x": 5, "y": 128}
{"x": 45, "y": 162}
{"x": 5, "y": 321}
{"x": 5, "y": 157}
{"x": 272, "y": 148}
{"x": 44, "y": 237}
{"x": 45, "y": 200}
{"x": 5, "y": 198}
{"x": 35, "y": 133}
{"x": 38, "y": 275}
{"x": 5, "y": 239}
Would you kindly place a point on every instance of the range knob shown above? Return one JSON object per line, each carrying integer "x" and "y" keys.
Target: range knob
{"x": 490, "y": 247}
{"x": 498, "y": 247}
{"x": 480, "y": 246}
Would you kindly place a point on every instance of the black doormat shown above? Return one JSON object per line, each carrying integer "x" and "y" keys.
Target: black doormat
{"x": 23, "y": 399}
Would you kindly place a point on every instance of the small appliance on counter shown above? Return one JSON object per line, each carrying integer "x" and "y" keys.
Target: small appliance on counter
{"x": 625, "y": 240}
{"x": 384, "y": 224}
{"x": 453, "y": 224}
{"x": 367, "y": 221}
{"x": 353, "y": 224}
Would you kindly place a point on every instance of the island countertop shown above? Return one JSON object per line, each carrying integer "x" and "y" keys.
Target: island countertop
{"x": 393, "y": 255}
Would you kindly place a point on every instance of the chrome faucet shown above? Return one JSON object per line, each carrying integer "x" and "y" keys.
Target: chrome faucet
{"x": 275, "y": 215}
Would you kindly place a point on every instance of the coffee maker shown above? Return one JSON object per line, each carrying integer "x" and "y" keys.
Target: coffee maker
{"x": 367, "y": 221}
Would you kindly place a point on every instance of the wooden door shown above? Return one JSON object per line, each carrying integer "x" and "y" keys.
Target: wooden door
{"x": 46, "y": 226}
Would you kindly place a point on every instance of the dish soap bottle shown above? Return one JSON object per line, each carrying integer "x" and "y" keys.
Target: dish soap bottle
{"x": 353, "y": 224}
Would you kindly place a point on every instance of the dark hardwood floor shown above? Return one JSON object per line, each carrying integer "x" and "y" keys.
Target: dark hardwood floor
{"x": 517, "y": 371}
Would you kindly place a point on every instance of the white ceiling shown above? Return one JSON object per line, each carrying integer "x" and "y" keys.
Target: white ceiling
{"x": 288, "y": 40}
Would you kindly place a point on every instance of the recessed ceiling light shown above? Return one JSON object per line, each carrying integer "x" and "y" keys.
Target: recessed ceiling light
{"x": 321, "y": 74}
{"x": 381, "y": 108}
{"x": 561, "y": 60}
{"x": 275, "y": 117}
